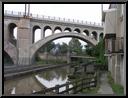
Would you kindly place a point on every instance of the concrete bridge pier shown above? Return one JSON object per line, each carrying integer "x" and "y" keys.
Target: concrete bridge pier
{"x": 68, "y": 58}
{"x": 24, "y": 42}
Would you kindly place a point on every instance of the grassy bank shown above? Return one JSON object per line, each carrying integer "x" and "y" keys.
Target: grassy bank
{"x": 92, "y": 90}
{"x": 50, "y": 62}
{"x": 117, "y": 88}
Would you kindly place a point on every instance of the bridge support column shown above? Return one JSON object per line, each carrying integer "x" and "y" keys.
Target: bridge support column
{"x": 42, "y": 33}
{"x": 68, "y": 58}
{"x": 90, "y": 32}
{"x": 6, "y": 32}
{"x": 98, "y": 37}
{"x": 24, "y": 41}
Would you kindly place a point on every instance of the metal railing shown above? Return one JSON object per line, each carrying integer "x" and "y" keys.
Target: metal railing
{"x": 43, "y": 17}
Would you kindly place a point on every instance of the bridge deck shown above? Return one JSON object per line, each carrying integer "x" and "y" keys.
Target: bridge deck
{"x": 53, "y": 19}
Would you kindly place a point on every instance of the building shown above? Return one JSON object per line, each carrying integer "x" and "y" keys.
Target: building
{"x": 114, "y": 21}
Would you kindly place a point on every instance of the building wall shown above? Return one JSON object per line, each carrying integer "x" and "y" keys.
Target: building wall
{"x": 114, "y": 23}
{"x": 110, "y": 22}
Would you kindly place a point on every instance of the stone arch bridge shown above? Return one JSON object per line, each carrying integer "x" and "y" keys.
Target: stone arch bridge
{"x": 23, "y": 49}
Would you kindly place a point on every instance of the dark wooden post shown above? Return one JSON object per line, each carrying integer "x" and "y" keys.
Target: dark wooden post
{"x": 67, "y": 87}
{"x": 57, "y": 89}
{"x": 75, "y": 69}
{"x": 82, "y": 84}
{"x": 75, "y": 87}
{"x": 97, "y": 78}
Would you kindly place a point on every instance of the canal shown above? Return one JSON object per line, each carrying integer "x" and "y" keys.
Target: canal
{"x": 37, "y": 81}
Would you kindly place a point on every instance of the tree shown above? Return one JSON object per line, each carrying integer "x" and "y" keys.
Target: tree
{"x": 64, "y": 48}
{"x": 75, "y": 46}
{"x": 98, "y": 52}
{"x": 89, "y": 50}
{"x": 47, "y": 47}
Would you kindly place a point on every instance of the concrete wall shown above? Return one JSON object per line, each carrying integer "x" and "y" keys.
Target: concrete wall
{"x": 110, "y": 22}
{"x": 124, "y": 60}
{"x": 115, "y": 19}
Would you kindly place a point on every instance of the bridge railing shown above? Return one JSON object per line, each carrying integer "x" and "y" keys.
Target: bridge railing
{"x": 43, "y": 17}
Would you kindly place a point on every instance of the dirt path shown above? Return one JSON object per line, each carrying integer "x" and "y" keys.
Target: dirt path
{"x": 105, "y": 88}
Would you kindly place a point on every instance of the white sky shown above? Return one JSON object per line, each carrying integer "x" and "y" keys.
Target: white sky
{"x": 85, "y": 12}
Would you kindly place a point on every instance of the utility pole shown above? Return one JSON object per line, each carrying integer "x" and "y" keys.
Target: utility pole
{"x": 27, "y": 10}
{"x": 101, "y": 13}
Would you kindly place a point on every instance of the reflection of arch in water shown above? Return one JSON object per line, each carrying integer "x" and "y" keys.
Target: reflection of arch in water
{"x": 25, "y": 85}
{"x": 56, "y": 76}
{"x": 58, "y": 73}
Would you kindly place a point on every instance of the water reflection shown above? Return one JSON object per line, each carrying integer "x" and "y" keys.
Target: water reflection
{"x": 55, "y": 73}
{"x": 51, "y": 83}
{"x": 37, "y": 82}
{"x": 22, "y": 85}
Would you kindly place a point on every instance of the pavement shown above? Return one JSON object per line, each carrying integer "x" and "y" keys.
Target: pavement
{"x": 105, "y": 88}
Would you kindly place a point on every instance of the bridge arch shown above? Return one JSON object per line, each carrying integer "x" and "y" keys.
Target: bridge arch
{"x": 67, "y": 29}
{"x": 35, "y": 47}
{"x": 12, "y": 27}
{"x": 57, "y": 29}
{"x": 11, "y": 50}
{"x": 94, "y": 35}
{"x": 77, "y": 30}
{"x": 47, "y": 28}
{"x": 101, "y": 35}
{"x": 86, "y": 32}
{"x": 36, "y": 27}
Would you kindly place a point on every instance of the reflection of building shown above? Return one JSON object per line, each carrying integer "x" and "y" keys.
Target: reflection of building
{"x": 114, "y": 28}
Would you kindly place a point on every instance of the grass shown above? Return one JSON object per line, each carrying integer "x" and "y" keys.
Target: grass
{"x": 92, "y": 90}
{"x": 50, "y": 62}
{"x": 117, "y": 88}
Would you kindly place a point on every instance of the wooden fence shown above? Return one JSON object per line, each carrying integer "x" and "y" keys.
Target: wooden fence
{"x": 77, "y": 86}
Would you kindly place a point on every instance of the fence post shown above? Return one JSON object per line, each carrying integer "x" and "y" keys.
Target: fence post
{"x": 43, "y": 91}
{"x": 82, "y": 84}
{"x": 57, "y": 89}
{"x": 96, "y": 79}
{"x": 67, "y": 87}
{"x": 75, "y": 87}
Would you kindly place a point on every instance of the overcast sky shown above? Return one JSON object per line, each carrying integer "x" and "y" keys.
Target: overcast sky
{"x": 85, "y": 12}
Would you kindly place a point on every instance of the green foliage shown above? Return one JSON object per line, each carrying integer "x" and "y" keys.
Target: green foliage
{"x": 63, "y": 48}
{"x": 98, "y": 52}
{"x": 75, "y": 46}
{"x": 91, "y": 91}
{"x": 117, "y": 89}
{"x": 47, "y": 47}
